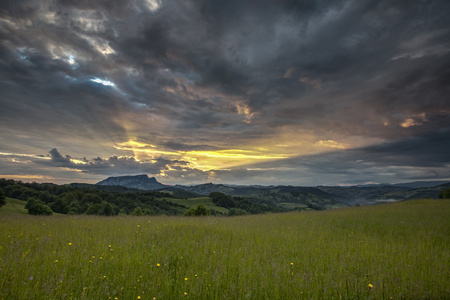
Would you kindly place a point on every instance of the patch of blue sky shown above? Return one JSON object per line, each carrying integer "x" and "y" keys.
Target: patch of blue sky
{"x": 103, "y": 82}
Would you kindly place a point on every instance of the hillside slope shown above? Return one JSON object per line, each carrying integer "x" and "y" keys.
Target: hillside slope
{"x": 13, "y": 207}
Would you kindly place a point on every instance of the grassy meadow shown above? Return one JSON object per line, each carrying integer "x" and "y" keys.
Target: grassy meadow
{"x": 391, "y": 251}
{"x": 13, "y": 206}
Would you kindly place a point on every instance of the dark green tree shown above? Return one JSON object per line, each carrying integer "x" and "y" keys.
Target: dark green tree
{"x": 37, "y": 207}
{"x": 199, "y": 210}
{"x": 60, "y": 206}
{"x": 445, "y": 194}
{"x": 74, "y": 208}
{"x": 220, "y": 199}
{"x": 2, "y": 198}
{"x": 106, "y": 209}
{"x": 46, "y": 197}
{"x": 137, "y": 212}
{"x": 89, "y": 197}
{"x": 94, "y": 209}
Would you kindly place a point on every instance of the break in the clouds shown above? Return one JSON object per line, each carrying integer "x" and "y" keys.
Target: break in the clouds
{"x": 296, "y": 92}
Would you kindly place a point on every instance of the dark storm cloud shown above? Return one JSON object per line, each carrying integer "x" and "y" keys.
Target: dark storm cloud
{"x": 331, "y": 44}
{"x": 110, "y": 166}
{"x": 202, "y": 75}
{"x": 57, "y": 158}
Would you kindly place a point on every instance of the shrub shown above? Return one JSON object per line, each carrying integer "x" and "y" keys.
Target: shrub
{"x": 445, "y": 194}
{"x": 199, "y": 210}
{"x": 2, "y": 198}
{"x": 37, "y": 207}
{"x": 137, "y": 212}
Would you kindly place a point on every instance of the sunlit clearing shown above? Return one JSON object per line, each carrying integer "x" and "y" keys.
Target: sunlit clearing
{"x": 104, "y": 82}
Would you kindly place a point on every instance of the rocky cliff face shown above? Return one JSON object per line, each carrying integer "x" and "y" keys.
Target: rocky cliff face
{"x": 141, "y": 182}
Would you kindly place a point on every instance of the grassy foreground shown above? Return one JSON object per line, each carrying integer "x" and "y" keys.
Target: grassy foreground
{"x": 393, "y": 251}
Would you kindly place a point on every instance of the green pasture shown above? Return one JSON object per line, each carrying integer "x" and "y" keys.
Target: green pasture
{"x": 390, "y": 251}
{"x": 13, "y": 206}
{"x": 193, "y": 202}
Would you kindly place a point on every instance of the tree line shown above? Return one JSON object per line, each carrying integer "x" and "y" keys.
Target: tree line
{"x": 66, "y": 199}
{"x": 77, "y": 199}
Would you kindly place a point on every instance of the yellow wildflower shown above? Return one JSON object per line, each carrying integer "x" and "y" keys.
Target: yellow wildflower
{"x": 70, "y": 244}
{"x": 370, "y": 285}
{"x": 158, "y": 265}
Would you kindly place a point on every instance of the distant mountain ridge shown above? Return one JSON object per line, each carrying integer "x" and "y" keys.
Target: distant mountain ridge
{"x": 140, "y": 182}
{"x": 319, "y": 197}
{"x": 413, "y": 185}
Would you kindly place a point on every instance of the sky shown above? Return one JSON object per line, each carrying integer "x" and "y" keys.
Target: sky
{"x": 267, "y": 92}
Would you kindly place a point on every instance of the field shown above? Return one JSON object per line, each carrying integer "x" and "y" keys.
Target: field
{"x": 193, "y": 202}
{"x": 391, "y": 251}
{"x": 13, "y": 206}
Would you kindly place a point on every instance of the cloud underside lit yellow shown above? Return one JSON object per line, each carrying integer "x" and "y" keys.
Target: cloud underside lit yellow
{"x": 228, "y": 158}
{"x": 204, "y": 160}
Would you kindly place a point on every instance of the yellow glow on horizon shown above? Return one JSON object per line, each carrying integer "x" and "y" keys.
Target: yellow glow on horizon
{"x": 20, "y": 177}
{"x": 147, "y": 151}
{"x": 282, "y": 146}
{"x": 234, "y": 154}
{"x": 204, "y": 160}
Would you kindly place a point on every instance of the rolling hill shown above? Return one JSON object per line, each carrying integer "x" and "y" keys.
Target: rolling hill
{"x": 294, "y": 197}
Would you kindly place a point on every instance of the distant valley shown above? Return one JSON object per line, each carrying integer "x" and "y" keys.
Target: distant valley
{"x": 292, "y": 197}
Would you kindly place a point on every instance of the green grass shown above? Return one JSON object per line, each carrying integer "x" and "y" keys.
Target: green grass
{"x": 402, "y": 249}
{"x": 193, "y": 202}
{"x": 13, "y": 206}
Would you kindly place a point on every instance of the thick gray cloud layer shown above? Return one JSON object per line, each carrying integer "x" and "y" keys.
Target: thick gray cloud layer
{"x": 186, "y": 75}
